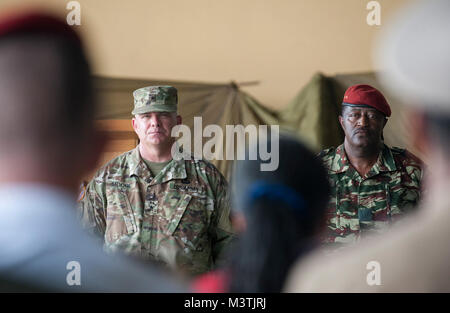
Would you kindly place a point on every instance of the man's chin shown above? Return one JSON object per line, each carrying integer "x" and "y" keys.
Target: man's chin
{"x": 157, "y": 141}
{"x": 363, "y": 143}
{"x": 367, "y": 145}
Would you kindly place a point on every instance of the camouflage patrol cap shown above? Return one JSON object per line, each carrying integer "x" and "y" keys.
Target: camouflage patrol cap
{"x": 155, "y": 99}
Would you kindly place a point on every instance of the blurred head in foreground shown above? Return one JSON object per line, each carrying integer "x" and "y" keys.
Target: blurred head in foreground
{"x": 48, "y": 143}
{"x": 415, "y": 60}
{"x": 46, "y": 125}
{"x": 277, "y": 213}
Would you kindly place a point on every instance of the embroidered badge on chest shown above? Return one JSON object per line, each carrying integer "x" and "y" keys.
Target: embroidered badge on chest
{"x": 185, "y": 187}
{"x": 119, "y": 185}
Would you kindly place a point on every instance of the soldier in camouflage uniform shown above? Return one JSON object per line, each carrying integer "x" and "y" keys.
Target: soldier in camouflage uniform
{"x": 416, "y": 255}
{"x": 372, "y": 184}
{"x": 148, "y": 204}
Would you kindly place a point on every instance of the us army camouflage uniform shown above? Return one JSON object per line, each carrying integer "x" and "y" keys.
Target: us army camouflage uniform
{"x": 364, "y": 205}
{"x": 179, "y": 218}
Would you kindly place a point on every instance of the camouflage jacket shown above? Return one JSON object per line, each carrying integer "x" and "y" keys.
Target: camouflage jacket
{"x": 179, "y": 218}
{"x": 364, "y": 205}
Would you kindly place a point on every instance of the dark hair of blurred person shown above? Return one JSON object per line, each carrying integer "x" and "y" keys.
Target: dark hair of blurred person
{"x": 277, "y": 215}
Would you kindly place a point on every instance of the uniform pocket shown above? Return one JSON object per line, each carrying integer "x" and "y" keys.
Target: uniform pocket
{"x": 190, "y": 221}
{"x": 375, "y": 211}
{"x": 120, "y": 219}
{"x": 376, "y": 206}
{"x": 178, "y": 214}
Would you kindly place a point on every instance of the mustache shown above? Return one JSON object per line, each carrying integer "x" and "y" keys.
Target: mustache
{"x": 155, "y": 131}
{"x": 362, "y": 129}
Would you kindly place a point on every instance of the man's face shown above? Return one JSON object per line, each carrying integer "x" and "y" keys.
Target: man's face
{"x": 363, "y": 127}
{"x": 154, "y": 128}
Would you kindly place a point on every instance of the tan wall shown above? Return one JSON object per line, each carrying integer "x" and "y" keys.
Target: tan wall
{"x": 279, "y": 43}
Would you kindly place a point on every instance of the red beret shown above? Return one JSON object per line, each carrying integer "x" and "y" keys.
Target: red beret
{"x": 35, "y": 22}
{"x": 365, "y": 95}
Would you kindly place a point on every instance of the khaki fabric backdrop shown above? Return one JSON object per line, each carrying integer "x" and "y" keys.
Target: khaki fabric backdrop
{"x": 312, "y": 115}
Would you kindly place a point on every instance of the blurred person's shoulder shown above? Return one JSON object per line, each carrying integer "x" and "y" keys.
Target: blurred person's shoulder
{"x": 342, "y": 270}
{"x": 414, "y": 259}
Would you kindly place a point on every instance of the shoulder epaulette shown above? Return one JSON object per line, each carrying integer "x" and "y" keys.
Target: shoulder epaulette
{"x": 406, "y": 157}
{"x": 398, "y": 150}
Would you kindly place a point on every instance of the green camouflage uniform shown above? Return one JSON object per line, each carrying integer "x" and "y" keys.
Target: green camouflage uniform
{"x": 179, "y": 218}
{"x": 364, "y": 205}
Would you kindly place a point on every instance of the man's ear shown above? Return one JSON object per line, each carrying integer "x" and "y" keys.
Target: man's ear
{"x": 341, "y": 121}
{"x": 133, "y": 123}
{"x": 179, "y": 119}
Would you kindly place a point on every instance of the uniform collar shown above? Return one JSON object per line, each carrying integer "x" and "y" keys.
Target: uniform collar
{"x": 340, "y": 162}
{"x": 174, "y": 170}
{"x": 384, "y": 163}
